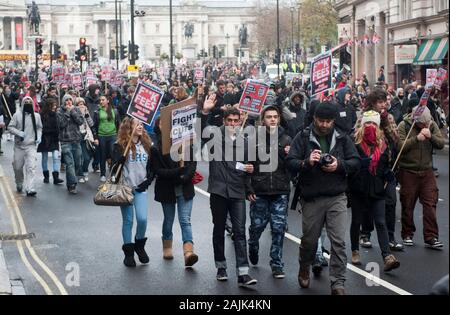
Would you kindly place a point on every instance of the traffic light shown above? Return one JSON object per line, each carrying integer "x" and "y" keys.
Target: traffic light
{"x": 277, "y": 58}
{"x": 236, "y": 52}
{"x": 83, "y": 49}
{"x": 112, "y": 54}
{"x": 56, "y": 51}
{"x": 297, "y": 49}
{"x": 94, "y": 56}
{"x": 214, "y": 51}
{"x": 136, "y": 52}
{"x": 123, "y": 52}
{"x": 38, "y": 42}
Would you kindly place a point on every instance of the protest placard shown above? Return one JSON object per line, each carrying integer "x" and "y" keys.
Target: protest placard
{"x": 145, "y": 102}
{"x": 291, "y": 75}
{"x": 253, "y": 97}
{"x": 77, "y": 81}
{"x": 183, "y": 124}
{"x": 440, "y": 77}
{"x": 431, "y": 76}
{"x": 199, "y": 75}
{"x": 58, "y": 74}
{"x": 167, "y": 123}
{"x": 106, "y": 73}
{"x": 43, "y": 78}
{"x": 321, "y": 79}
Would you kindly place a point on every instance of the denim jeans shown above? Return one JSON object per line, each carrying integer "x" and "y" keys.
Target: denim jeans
{"x": 220, "y": 206}
{"x": 85, "y": 159}
{"x": 184, "y": 217}
{"x": 106, "y": 147}
{"x": 71, "y": 153}
{"x": 376, "y": 210}
{"x": 264, "y": 210}
{"x": 55, "y": 159}
{"x": 140, "y": 206}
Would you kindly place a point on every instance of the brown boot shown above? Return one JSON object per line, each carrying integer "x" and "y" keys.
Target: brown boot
{"x": 303, "y": 277}
{"x": 390, "y": 263}
{"x": 338, "y": 291}
{"x": 356, "y": 258}
{"x": 190, "y": 258}
{"x": 167, "y": 249}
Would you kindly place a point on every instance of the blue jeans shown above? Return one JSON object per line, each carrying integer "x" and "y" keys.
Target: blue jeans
{"x": 55, "y": 159}
{"x": 140, "y": 205}
{"x": 106, "y": 147}
{"x": 71, "y": 153}
{"x": 85, "y": 159}
{"x": 184, "y": 217}
{"x": 264, "y": 210}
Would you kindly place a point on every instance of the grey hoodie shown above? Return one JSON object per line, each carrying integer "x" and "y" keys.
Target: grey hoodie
{"x": 15, "y": 127}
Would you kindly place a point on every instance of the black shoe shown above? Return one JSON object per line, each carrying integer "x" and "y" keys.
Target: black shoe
{"x": 31, "y": 193}
{"x": 222, "y": 274}
{"x": 253, "y": 256}
{"x": 434, "y": 244}
{"x": 72, "y": 190}
{"x": 128, "y": 250}
{"x": 365, "y": 242}
{"x": 46, "y": 177}
{"x": 56, "y": 179}
{"x": 19, "y": 188}
{"x": 317, "y": 269}
{"x": 396, "y": 247}
{"x": 140, "y": 250}
{"x": 278, "y": 273}
{"x": 245, "y": 280}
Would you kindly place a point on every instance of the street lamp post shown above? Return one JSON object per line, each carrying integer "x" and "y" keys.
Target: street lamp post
{"x": 278, "y": 37}
{"x": 133, "y": 15}
{"x": 227, "y": 37}
{"x": 292, "y": 33}
{"x": 171, "y": 40}
{"x": 299, "y": 9}
{"x": 117, "y": 36}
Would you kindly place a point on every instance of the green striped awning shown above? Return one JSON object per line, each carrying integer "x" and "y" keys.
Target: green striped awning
{"x": 432, "y": 51}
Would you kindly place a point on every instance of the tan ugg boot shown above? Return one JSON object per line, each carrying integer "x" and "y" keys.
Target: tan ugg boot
{"x": 190, "y": 258}
{"x": 167, "y": 249}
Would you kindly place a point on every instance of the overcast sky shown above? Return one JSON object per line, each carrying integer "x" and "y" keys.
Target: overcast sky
{"x": 86, "y": 2}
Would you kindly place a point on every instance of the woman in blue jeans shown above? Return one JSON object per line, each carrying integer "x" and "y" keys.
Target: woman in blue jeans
{"x": 137, "y": 173}
{"x": 174, "y": 188}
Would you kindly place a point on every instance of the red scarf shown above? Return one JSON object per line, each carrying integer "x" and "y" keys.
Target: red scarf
{"x": 370, "y": 141}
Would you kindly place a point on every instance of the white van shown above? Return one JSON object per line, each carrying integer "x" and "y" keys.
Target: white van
{"x": 272, "y": 71}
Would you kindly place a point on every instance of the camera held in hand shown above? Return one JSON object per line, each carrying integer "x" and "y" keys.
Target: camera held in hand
{"x": 325, "y": 159}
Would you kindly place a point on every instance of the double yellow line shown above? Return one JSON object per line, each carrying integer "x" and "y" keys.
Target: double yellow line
{"x": 20, "y": 228}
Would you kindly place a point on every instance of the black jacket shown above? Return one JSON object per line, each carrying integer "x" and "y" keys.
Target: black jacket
{"x": 216, "y": 116}
{"x": 169, "y": 174}
{"x": 291, "y": 124}
{"x": 224, "y": 179}
{"x": 363, "y": 183}
{"x": 277, "y": 182}
{"x": 50, "y": 141}
{"x": 346, "y": 113}
{"x": 313, "y": 182}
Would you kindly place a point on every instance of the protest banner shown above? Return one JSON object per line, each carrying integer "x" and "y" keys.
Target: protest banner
{"x": 106, "y": 73}
{"x": 321, "y": 79}
{"x": 199, "y": 75}
{"x": 58, "y": 74}
{"x": 253, "y": 97}
{"x": 116, "y": 78}
{"x": 440, "y": 77}
{"x": 91, "y": 81}
{"x": 77, "y": 81}
{"x": 291, "y": 75}
{"x": 90, "y": 73}
{"x": 182, "y": 109}
{"x": 43, "y": 78}
{"x": 145, "y": 102}
{"x": 431, "y": 76}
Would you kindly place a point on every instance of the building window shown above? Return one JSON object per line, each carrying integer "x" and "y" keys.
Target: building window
{"x": 236, "y": 28}
{"x": 156, "y": 28}
{"x": 157, "y": 50}
{"x": 406, "y": 9}
{"x": 222, "y": 50}
{"x": 443, "y": 5}
{"x": 101, "y": 51}
{"x": 143, "y": 28}
{"x": 71, "y": 50}
{"x": 54, "y": 29}
{"x": 71, "y": 28}
{"x": 101, "y": 28}
{"x": 86, "y": 29}
{"x": 222, "y": 28}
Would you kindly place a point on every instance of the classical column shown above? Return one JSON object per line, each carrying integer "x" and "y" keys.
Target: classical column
{"x": 200, "y": 36}
{"x": 95, "y": 43}
{"x": 379, "y": 49}
{"x": 108, "y": 43}
{"x": 205, "y": 36}
{"x": 369, "y": 55}
{"x": 13, "y": 33}
{"x": 179, "y": 31}
{"x": 2, "y": 33}
{"x": 49, "y": 30}
{"x": 24, "y": 34}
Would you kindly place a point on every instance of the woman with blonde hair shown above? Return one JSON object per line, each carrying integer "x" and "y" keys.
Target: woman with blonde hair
{"x": 133, "y": 150}
{"x": 367, "y": 187}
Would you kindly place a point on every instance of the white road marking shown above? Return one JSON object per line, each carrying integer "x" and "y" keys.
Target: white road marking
{"x": 363, "y": 273}
{"x": 23, "y": 230}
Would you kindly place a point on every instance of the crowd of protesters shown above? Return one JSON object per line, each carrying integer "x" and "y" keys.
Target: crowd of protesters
{"x": 335, "y": 151}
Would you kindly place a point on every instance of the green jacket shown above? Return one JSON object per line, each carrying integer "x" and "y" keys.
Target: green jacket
{"x": 417, "y": 155}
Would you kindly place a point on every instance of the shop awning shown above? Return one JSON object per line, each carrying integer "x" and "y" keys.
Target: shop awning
{"x": 432, "y": 51}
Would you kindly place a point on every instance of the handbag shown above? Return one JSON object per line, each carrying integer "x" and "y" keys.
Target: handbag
{"x": 114, "y": 194}
{"x": 197, "y": 178}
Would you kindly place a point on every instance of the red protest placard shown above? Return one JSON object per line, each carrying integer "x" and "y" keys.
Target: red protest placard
{"x": 199, "y": 75}
{"x": 77, "y": 81}
{"x": 440, "y": 77}
{"x": 431, "y": 76}
{"x": 321, "y": 79}
{"x": 253, "y": 97}
{"x": 145, "y": 102}
{"x": 58, "y": 74}
{"x": 106, "y": 73}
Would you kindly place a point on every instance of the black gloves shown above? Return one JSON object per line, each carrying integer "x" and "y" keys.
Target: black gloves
{"x": 142, "y": 186}
{"x": 122, "y": 159}
{"x": 389, "y": 176}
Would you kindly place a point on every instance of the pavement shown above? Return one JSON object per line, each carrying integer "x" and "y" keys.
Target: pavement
{"x": 75, "y": 248}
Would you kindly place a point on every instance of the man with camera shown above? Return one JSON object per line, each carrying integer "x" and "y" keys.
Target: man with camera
{"x": 323, "y": 157}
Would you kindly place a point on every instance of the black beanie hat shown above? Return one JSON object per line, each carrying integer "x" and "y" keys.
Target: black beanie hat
{"x": 326, "y": 110}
